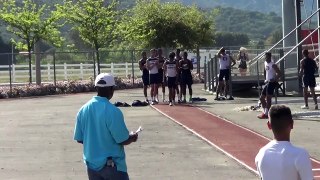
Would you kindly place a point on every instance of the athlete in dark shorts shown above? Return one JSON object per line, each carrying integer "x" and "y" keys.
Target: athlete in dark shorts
{"x": 224, "y": 74}
{"x": 177, "y": 59}
{"x": 273, "y": 74}
{"x": 145, "y": 73}
{"x": 161, "y": 78}
{"x": 171, "y": 68}
{"x": 308, "y": 68}
{"x": 152, "y": 65}
{"x": 186, "y": 66}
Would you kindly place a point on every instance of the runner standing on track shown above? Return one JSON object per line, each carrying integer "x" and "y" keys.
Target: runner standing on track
{"x": 272, "y": 76}
{"x": 162, "y": 79}
{"x": 279, "y": 159}
{"x": 308, "y": 68}
{"x": 186, "y": 66}
{"x": 171, "y": 69}
{"x": 225, "y": 68}
{"x": 178, "y": 58}
{"x": 145, "y": 74}
{"x": 152, "y": 65}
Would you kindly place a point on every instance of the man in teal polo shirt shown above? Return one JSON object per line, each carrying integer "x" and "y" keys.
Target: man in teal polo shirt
{"x": 100, "y": 127}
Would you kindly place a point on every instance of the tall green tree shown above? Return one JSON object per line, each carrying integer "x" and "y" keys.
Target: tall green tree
{"x": 95, "y": 20}
{"x": 154, "y": 24}
{"x": 31, "y": 23}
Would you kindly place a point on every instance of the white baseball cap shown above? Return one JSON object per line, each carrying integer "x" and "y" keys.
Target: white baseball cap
{"x": 104, "y": 80}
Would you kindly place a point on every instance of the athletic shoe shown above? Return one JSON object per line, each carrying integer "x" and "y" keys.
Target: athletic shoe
{"x": 156, "y": 101}
{"x": 262, "y": 116}
{"x": 304, "y": 107}
{"x": 190, "y": 99}
{"x": 170, "y": 104}
{"x": 179, "y": 101}
{"x": 152, "y": 102}
{"x": 217, "y": 99}
{"x": 184, "y": 101}
{"x": 316, "y": 107}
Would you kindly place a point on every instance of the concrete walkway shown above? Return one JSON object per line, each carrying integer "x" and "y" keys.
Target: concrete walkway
{"x": 36, "y": 140}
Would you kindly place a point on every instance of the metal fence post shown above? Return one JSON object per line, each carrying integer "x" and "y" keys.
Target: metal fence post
{"x": 94, "y": 64}
{"x": 230, "y": 85}
{"x": 10, "y": 75}
{"x": 210, "y": 75}
{"x": 205, "y": 73}
{"x": 54, "y": 70}
{"x": 216, "y": 71}
{"x": 132, "y": 68}
{"x": 282, "y": 69}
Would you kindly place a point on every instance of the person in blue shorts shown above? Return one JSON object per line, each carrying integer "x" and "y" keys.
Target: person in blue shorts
{"x": 100, "y": 127}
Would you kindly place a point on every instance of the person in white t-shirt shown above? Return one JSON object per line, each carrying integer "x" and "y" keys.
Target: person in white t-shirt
{"x": 152, "y": 65}
{"x": 273, "y": 74}
{"x": 226, "y": 62}
{"x": 279, "y": 159}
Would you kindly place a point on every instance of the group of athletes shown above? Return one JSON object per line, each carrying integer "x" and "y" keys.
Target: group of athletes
{"x": 307, "y": 72}
{"x": 158, "y": 70}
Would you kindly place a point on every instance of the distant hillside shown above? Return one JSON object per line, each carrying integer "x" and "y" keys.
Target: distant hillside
{"x": 257, "y": 18}
{"x": 264, "y": 6}
{"x": 257, "y": 25}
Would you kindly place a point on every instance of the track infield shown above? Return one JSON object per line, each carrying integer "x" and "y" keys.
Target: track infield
{"x": 237, "y": 142}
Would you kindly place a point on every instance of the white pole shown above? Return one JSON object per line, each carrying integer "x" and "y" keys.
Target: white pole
{"x": 49, "y": 78}
{"x": 112, "y": 68}
{"x": 65, "y": 71}
{"x": 13, "y": 73}
{"x": 81, "y": 71}
{"x": 127, "y": 69}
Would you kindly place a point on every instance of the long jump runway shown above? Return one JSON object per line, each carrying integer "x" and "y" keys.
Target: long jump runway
{"x": 237, "y": 142}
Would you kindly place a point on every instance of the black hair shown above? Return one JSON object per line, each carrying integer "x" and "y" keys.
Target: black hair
{"x": 185, "y": 53}
{"x": 305, "y": 52}
{"x": 104, "y": 91}
{"x": 280, "y": 118}
{"x": 172, "y": 55}
{"x": 268, "y": 54}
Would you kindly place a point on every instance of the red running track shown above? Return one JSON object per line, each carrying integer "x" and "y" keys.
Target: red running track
{"x": 237, "y": 142}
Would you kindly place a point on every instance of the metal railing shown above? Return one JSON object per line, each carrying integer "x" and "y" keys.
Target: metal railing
{"x": 256, "y": 59}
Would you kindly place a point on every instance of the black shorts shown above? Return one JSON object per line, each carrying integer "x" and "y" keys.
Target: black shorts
{"x": 160, "y": 76}
{"x": 186, "y": 79}
{"x": 269, "y": 88}
{"x": 154, "y": 78}
{"x": 171, "y": 82}
{"x": 309, "y": 81}
{"x": 224, "y": 73}
{"x": 145, "y": 79}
